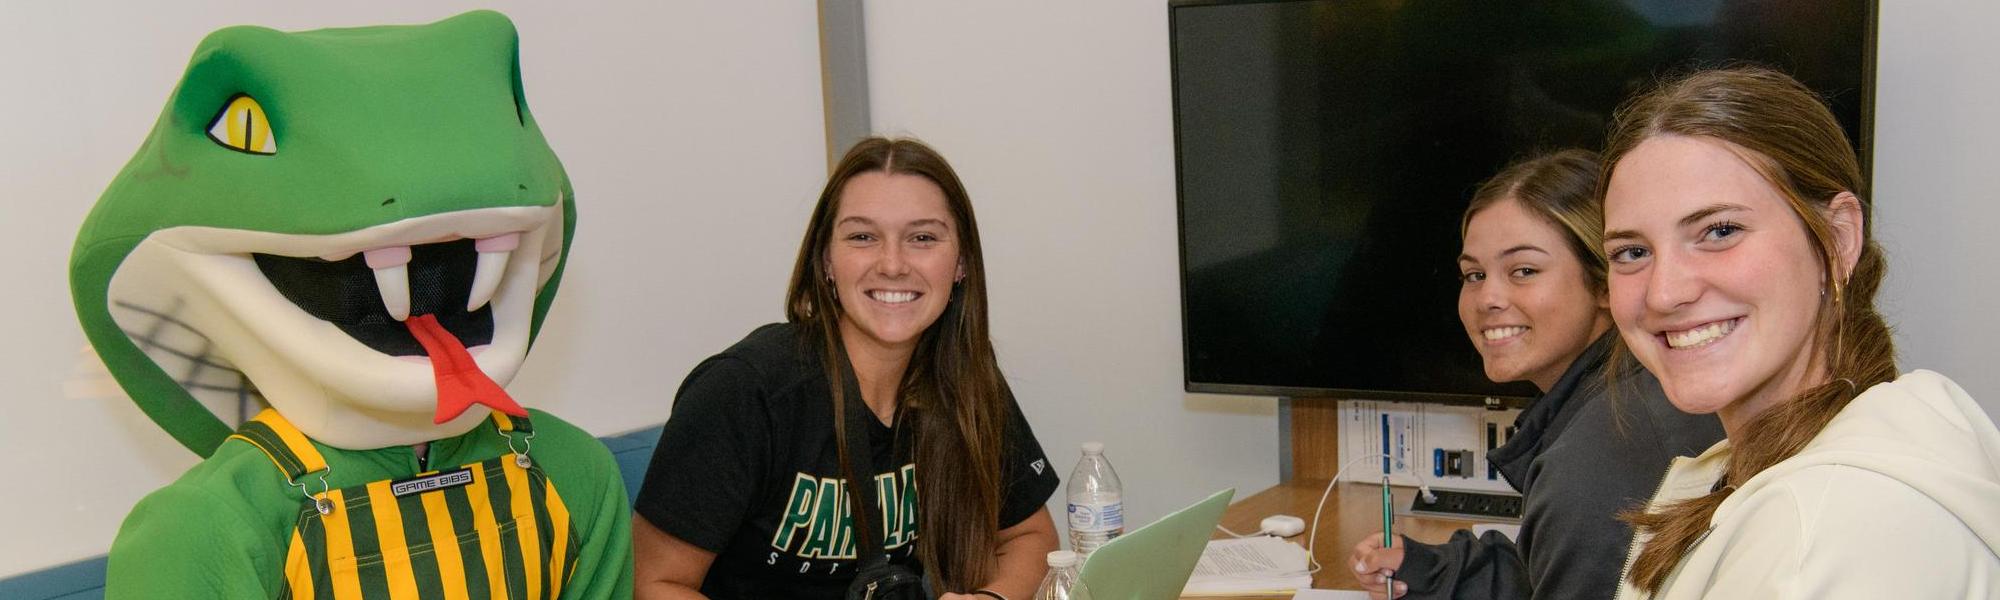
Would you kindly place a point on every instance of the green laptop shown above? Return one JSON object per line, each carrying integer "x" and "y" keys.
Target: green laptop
{"x": 1154, "y": 562}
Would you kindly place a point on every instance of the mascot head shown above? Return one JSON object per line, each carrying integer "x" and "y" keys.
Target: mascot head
{"x": 362, "y": 228}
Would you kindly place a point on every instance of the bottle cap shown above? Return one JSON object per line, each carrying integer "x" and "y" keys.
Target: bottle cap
{"x": 1093, "y": 447}
{"x": 1062, "y": 559}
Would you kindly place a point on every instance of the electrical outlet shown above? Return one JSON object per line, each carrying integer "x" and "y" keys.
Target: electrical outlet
{"x": 1459, "y": 504}
{"x": 1424, "y": 443}
{"x": 1492, "y": 442}
{"x": 1454, "y": 463}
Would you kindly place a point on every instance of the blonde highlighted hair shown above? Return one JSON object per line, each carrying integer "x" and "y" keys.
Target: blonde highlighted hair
{"x": 1560, "y": 187}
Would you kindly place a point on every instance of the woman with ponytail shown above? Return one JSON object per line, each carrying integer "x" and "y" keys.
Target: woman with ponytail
{"x": 1532, "y": 300}
{"x": 1743, "y": 275}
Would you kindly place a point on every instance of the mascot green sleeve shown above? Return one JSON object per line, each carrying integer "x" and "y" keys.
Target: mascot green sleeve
{"x": 317, "y": 272}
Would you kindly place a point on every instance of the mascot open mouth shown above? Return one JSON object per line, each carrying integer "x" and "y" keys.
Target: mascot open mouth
{"x": 356, "y": 227}
{"x": 431, "y": 310}
{"x": 440, "y": 279}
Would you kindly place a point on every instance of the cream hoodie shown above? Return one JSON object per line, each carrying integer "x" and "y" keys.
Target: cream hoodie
{"x": 1899, "y": 497}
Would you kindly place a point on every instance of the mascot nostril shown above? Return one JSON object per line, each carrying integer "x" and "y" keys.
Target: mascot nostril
{"x": 385, "y": 457}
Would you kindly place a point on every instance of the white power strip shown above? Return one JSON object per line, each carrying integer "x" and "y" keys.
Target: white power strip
{"x": 1446, "y": 444}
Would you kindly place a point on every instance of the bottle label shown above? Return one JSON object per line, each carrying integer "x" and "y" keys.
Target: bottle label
{"x": 1097, "y": 516}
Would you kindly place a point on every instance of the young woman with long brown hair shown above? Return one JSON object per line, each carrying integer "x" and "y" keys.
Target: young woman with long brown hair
{"x": 1532, "y": 302}
{"x": 886, "y": 313}
{"x": 1743, "y": 275}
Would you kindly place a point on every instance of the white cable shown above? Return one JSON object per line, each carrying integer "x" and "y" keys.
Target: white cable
{"x": 1312, "y": 539}
{"x": 1236, "y": 535}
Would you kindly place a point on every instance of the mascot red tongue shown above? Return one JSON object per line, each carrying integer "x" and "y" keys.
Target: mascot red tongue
{"x": 460, "y": 383}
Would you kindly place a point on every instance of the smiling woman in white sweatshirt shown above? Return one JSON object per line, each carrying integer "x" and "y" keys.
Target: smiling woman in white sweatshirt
{"x": 1743, "y": 276}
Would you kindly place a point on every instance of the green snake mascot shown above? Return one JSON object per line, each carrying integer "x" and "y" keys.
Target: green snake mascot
{"x": 360, "y": 229}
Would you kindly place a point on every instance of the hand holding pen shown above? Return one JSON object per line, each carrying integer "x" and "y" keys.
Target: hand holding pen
{"x": 1375, "y": 567}
{"x": 1388, "y": 533}
{"x": 1377, "y": 558}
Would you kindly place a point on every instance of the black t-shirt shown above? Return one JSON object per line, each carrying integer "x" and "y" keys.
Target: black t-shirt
{"x": 747, "y": 468}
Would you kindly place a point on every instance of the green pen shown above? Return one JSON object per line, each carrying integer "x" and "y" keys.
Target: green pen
{"x": 1388, "y": 535}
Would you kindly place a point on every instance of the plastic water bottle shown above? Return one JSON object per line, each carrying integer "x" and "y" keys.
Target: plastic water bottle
{"x": 1062, "y": 582}
{"x": 1096, "y": 501}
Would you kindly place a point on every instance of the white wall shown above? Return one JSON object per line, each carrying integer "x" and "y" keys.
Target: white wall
{"x": 692, "y": 132}
{"x": 1057, "y": 118}
{"x": 1937, "y": 187}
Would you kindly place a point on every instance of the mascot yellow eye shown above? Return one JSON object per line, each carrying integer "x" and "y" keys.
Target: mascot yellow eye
{"x": 242, "y": 126}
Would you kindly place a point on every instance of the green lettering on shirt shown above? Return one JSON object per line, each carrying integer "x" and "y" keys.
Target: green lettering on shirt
{"x": 819, "y": 541}
{"x": 798, "y": 510}
{"x": 887, "y": 500}
{"x": 843, "y": 529}
{"x": 908, "y": 505}
{"x": 819, "y": 506}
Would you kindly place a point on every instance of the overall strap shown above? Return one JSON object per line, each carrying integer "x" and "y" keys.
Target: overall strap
{"x": 295, "y": 456}
{"x": 287, "y": 447}
{"x": 507, "y": 423}
{"x": 508, "y": 426}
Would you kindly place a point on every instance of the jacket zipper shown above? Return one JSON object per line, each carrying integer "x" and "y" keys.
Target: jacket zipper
{"x": 871, "y": 591}
{"x": 1625, "y": 572}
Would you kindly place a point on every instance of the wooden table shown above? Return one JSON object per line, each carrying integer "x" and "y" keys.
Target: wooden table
{"x": 1353, "y": 512}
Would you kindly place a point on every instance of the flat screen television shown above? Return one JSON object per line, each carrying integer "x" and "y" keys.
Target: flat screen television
{"x": 1326, "y": 148}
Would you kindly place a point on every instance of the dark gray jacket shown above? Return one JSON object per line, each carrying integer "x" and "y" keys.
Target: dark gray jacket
{"x": 1579, "y": 455}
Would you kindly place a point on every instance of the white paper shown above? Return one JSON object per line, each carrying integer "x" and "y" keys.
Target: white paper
{"x": 1331, "y": 595}
{"x": 1247, "y": 564}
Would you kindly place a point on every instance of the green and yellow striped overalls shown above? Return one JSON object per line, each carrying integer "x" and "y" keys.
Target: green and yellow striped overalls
{"x": 491, "y": 529}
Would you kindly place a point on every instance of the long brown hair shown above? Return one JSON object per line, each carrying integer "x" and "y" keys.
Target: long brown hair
{"x": 1560, "y": 187}
{"x": 1783, "y": 131}
{"x": 952, "y": 397}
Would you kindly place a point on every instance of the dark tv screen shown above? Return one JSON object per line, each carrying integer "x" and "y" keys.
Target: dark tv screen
{"x": 1326, "y": 149}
